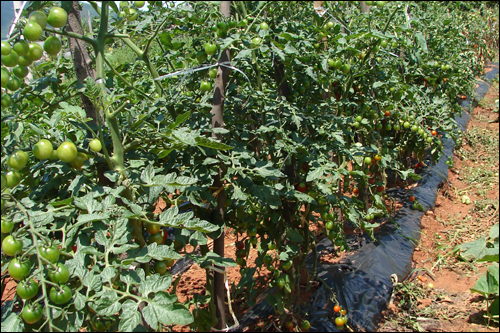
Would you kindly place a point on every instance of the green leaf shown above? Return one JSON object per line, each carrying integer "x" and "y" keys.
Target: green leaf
{"x": 421, "y": 41}
{"x": 155, "y": 283}
{"x": 246, "y": 53}
{"x": 211, "y": 143}
{"x": 158, "y": 311}
{"x": 212, "y": 258}
{"x": 180, "y": 119}
{"x": 473, "y": 250}
{"x": 487, "y": 284}
{"x": 267, "y": 195}
{"x": 289, "y": 49}
{"x": 294, "y": 236}
{"x": 108, "y": 304}
{"x": 129, "y": 317}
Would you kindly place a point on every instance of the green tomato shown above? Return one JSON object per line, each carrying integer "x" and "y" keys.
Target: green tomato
{"x": 155, "y": 238}
{"x": 210, "y": 48}
{"x": 52, "y": 45}
{"x": 13, "y": 178}
{"x": 43, "y": 149}
{"x": 80, "y": 159}
{"x": 57, "y": 17}
{"x": 27, "y": 289}
{"x": 286, "y": 265}
{"x": 201, "y": 56}
{"x": 11, "y": 246}
{"x": 160, "y": 267}
{"x": 39, "y": 17}
{"x": 20, "y": 71}
{"x": 32, "y": 313}
{"x": 345, "y": 69}
{"x": 205, "y": 86}
{"x": 18, "y": 160}
{"x": 252, "y": 231}
{"x": 53, "y": 156}
{"x": 5, "y": 77}
{"x": 6, "y": 100}
{"x": 7, "y": 226}
{"x": 256, "y": 42}
{"x": 264, "y": 26}
{"x": 4, "y": 182}
{"x": 24, "y": 61}
{"x": 60, "y": 274}
{"x": 169, "y": 262}
{"x": 11, "y": 59}
{"x": 21, "y": 47}
{"x": 67, "y": 152}
{"x": 152, "y": 228}
{"x": 18, "y": 270}
{"x": 14, "y": 83}
{"x": 329, "y": 225}
{"x": 95, "y": 145}
{"x": 60, "y": 295}
{"x": 280, "y": 283}
{"x": 212, "y": 72}
{"x": 139, "y": 4}
{"x": 35, "y": 52}
{"x": 132, "y": 14}
{"x": 5, "y": 48}
{"x": 101, "y": 324}
{"x": 32, "y": 31}
{"x": 51, "y": 253}
{"x": 381, "y": 4}
{"x": 368, "y": 160}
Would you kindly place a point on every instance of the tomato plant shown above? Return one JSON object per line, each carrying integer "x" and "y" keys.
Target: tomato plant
{"x": 260, "y": 149}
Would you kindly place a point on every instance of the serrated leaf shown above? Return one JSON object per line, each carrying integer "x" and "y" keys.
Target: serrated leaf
{"x": 246, "y": 53}
{"x": 130, "y": 317}
{"x": 108, "y": 304}
{"x": 154, "y": 284}
{"x": 294, "y": 235}
{"x": 210, "y": 143}
{"x": 289, "y": 49}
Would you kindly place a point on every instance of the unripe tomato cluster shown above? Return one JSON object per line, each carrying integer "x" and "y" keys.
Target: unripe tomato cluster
{"x": 25, "y": 51}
